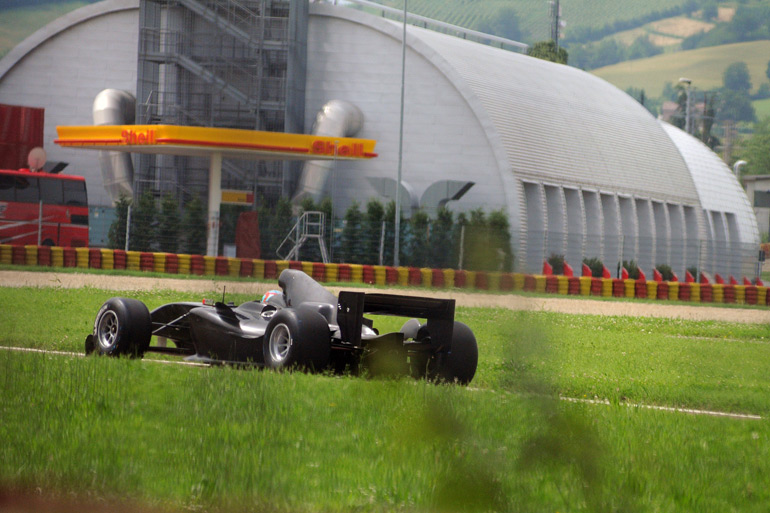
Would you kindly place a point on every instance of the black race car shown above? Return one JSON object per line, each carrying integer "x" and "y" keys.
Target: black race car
{"x": 305, "y": 326}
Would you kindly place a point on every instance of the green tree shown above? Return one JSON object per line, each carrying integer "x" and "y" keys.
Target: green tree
{"x": 547, "y": 50}
{"x": 641, "y": 48}
{"x": 442, "y": 246}
{"x": 372, "y": 231}
{"x": 756, "y": 149}
{"x": 767, "y": 71}
{"x": 418, "y": 246}
{"x": 504, "y": 23}
{"x": 170, "y": 224}
{"x": 144, "y": 224}
{"x": 736, "y": 107}
{"x": 500, "y": 238}
{"x": 350, "y": 251}
{"x": 710, "y": 10}
{"x": 736, "y": 78}
{"x": 116, "y": 236}
{"x": 194, "y": 227}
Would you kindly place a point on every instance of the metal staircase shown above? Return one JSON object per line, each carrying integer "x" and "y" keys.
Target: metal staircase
{"x": 309, "y": 226}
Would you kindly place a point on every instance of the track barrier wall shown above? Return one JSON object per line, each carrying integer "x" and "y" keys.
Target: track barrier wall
{"x": 183, "y": 264}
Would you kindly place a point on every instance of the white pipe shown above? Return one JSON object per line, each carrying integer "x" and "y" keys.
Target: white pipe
{"x": 337, "y": 118}
{"x": 115, "y": 107}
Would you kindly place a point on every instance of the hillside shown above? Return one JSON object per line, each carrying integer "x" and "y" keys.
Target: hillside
{"x": 17, "y": 23}
{"x": 703, "y": 66}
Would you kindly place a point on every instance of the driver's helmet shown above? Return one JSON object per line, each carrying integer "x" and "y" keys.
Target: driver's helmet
{"x": 271, "y": 293}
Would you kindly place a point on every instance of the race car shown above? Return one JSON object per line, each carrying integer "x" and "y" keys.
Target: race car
{"x": 302, "y": 326}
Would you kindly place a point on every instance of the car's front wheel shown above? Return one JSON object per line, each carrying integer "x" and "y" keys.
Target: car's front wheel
{"x": 297, "y": 339}
{"x": 122, "y": 327}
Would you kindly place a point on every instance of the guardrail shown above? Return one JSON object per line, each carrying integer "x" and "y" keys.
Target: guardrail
{"x": 96, "y": 258}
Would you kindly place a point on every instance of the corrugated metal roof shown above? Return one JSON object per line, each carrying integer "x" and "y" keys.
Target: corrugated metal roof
{"x": 718, "y": 188}
{"x": 562, "y": 124}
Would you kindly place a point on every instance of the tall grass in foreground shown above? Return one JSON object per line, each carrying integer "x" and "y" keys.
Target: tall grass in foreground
{"x": 220, "y": 438}
{"x": 229, "y": 439}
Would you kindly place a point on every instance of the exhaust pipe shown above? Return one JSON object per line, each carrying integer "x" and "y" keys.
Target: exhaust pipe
{"x": 115, "y": 107}
{"x": 337, "y": 118}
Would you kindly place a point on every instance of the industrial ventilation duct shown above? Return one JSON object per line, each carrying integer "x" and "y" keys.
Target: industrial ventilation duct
{"x": 337, "y": 118}
{"x": 115, "y": 107}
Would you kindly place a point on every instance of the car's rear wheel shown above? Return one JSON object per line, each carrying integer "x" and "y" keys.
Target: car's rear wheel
{"x": 459, "y": 364}
{"x": 122, "y": 327}
{"x": 297, "y": 339}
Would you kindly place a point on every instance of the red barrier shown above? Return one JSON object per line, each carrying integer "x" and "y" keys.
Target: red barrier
{"x": 506, "y": 281}
{"x": 271, "y": 269}
{"x": 343, "y": 272}
{"x": 146, "y": 261}
{"x": 415, "y": 276}
{"x": 618, "y": 287}
{"x": 596, "y": 286}
{"x": 197, "y": 265}
{"x": 319, "y": 271}
{"x": 172, "y": 263}
{"x": 729, "y": 293}
{"x": 529, "y": 283}
{"x": 460, "y": 279}
{"x": 551, "y": 284}
{"x": 44, "y": 255}
{"x": 437, "y": 278}
{"x": 482, "y": 280}
{"x": 573, "y": 285}
{"x": 221, "y": 267}
{"x": 18, "y": 255}
{"x": 391, "y": 275}
{"x": 706, "y": 293}
{"x": 662, "y": 290}
{"x": 640, "y": 289}
{"x": 70, "y": 257}
{"x": 119, "y": 259}
{"x": 751, "y": 294}
{"x": 247, "y": 267}
{"x": 95, "y": 258}
{"x": 367, "y": 274}
{"x": 684, "y": 291}
{"x": 294, "y": 264}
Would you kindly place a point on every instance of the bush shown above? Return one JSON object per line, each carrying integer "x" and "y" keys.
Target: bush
{"x": 557, "y": 263}
{"x": 666, "y": 271}
{"x": 632, "y": 268}
{"x": 596, "y": 265}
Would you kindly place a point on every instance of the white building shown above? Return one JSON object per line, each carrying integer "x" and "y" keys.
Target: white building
{"x": 580, "y": 167}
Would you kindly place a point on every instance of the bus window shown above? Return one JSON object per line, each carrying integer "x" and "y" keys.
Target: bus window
{"x": 7, "y": 188}
{"x": 75, "y": 193}
{"x": 51, "y": 191}
{"x": 27, "y": 190}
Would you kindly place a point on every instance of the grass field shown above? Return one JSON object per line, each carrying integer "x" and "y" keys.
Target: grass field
{"x": 762, "y": 108}
{"x": 227, "y": 439}
{"x": 703, "y": 66}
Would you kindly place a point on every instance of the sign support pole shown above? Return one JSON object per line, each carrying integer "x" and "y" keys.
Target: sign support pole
{"x": 215, "y": 200}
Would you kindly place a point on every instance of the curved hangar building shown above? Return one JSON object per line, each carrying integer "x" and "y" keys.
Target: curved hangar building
{"x": 581, "y": 168}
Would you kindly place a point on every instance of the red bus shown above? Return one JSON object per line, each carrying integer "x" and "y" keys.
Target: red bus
{"x": 43, "y": 209}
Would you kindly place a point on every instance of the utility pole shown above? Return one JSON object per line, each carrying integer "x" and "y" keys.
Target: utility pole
{"x": 555, "y": 14}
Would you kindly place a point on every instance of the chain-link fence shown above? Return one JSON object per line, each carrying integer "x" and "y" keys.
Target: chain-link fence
{"x": 475, "y": 241}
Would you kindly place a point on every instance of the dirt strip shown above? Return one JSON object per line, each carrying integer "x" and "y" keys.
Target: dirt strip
{"x": 559, "y": 304}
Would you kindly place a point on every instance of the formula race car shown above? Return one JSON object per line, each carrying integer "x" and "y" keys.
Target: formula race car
{"x": 302, "y": 326}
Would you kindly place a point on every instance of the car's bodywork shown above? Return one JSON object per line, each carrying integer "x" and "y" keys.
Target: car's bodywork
{"x": 306, "y": 326}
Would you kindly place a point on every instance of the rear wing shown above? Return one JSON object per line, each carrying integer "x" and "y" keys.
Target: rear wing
{"x": 440, "y": 314}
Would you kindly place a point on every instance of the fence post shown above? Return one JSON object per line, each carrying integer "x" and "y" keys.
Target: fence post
{"x": 700, "y": 261}
{"x": 462, "y": 247}
{"x": 128, "y": 225}
{"x": 382, "y": 242}
{"x": 40, "y": 222}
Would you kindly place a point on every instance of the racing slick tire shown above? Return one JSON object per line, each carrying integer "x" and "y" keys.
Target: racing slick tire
{"x": 459, "y": 364}
{"x": 122, "y": 327}
{"x": 297, "y": 339}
